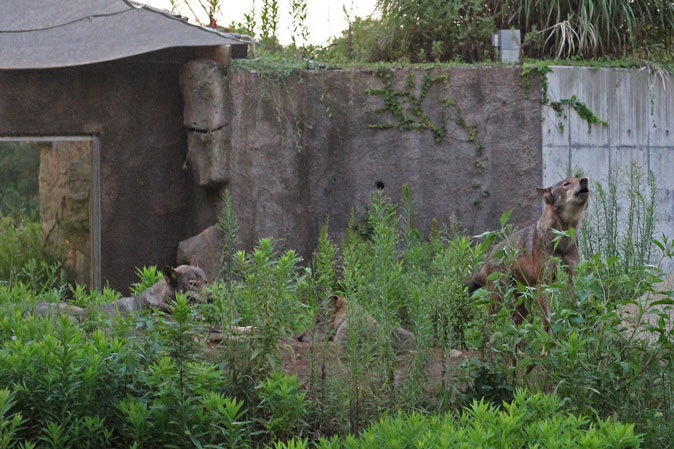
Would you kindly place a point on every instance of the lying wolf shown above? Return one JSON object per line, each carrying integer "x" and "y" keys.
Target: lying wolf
{"x": 535, "y": 245}
{"x": 431, "y": 369}
{"x": 334, "y": 326}
{"x": 183, "y": 279}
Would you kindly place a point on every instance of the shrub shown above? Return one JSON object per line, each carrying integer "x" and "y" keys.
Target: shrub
{"x": 19, "y": 170}
{"x": 527, "y": 422}
{"x": 265, "y": 293}
{"x": 590, "y": 28}
{"x": 420, "y": 31}
{"x": 436, "y": 30}
{"x": 282, "y": 404}
{"x": 147, "y": 277}
{"x": 23, "y": 258}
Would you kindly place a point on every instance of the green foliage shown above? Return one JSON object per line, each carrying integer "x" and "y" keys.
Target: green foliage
{"x": 147, "y": 277}
{"x": 529, "y": 421}
{"x": 359, "y": 42}
{"x": 19, "y": 170}
{"x": 589, "y": 28}
{"x": 282, "y": 404}
{"x": 265, "y": 293}
{"x": 623, "y": 238}
{"x": 421, "y": 31}
{"x": 406, "y": 105}
{"x": 149, "y": 381}
{"x": 436, "y": 30}
{"x": 275, "y": 66}
{"x": 79, "y": 387}
{"x": 594, "y": 356}
{"x": 269, "y": 20}
{"x": 401, "y": 279}
{"x": 300, "y": 30}
{"x": 581, "y": 109}
{"x": 23, "y": 258}
{"x": 9, "y": 423}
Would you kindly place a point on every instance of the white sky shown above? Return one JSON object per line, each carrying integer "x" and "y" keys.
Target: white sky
{"x": 325, "y": 18}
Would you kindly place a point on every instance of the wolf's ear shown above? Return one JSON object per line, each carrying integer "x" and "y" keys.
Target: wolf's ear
{"x": 339, "y": 302}
{"x": 546, "y": 195}
{"x": 170, "y": 275}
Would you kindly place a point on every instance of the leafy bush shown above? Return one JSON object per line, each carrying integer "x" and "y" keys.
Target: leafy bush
{"x": 529, "y": 421}
{"x": 85, "y": 388}
{"x": 23, "y": 258}
{"x": 589, "y": 28}
{"x": 19, "y": 170}
{"x": 147, "y": 277}
{"x": 149, "y": 380}
{"x": 420, "y": 31}
{"x": 9, "y": 423}
{"x": 282, "y": 404}
{"x": 265, "y": 293}
{"x": 436, "y": 30}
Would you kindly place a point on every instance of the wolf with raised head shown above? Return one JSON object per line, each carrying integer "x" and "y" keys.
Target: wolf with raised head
{"x": 536, "y": 245}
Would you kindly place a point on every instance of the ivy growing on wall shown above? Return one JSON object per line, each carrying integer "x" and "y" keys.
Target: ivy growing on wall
{"x": 405, "y": 105}
{"x": 583, "y": 111}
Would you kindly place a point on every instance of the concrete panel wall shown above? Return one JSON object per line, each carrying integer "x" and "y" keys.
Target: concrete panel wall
{"x": 639, "y": 111}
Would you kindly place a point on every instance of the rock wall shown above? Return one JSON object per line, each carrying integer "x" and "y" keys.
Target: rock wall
{"x": 66, "y": 206}
{"x": 296, "y": 149}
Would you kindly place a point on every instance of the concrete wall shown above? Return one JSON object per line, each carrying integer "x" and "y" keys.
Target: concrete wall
{"x": 134, "y": 107}
{"x": 639, "y": 111}
{"x": 295, "y": 150}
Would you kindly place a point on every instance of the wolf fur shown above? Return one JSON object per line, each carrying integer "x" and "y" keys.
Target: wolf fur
{"x": 535, "y": 247}
{"x": 334, "y": 326}
{"x": 182, "y": 279}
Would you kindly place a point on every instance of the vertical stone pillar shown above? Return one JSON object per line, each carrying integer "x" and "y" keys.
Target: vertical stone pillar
{"x": 66, "y": 206}
{"x": 204, "y": 87}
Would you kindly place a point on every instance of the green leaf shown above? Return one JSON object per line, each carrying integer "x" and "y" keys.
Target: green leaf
{"x": 505, "y": 216}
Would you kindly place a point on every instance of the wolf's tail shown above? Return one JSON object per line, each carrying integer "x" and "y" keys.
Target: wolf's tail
{"x": 477, "y": 281}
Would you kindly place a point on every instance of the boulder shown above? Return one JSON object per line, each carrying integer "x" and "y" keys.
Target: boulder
{"x": 202, "y": 250}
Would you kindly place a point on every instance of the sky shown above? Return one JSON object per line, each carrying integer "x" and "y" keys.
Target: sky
{"x": 325, "y": 18}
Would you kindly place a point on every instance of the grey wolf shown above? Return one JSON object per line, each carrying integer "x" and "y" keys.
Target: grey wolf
{"x": 536, "y": 245}
{"x": 183, "y": 279}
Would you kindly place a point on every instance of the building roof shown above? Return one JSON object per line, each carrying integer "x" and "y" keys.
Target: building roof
{"x": 39, "y": 34}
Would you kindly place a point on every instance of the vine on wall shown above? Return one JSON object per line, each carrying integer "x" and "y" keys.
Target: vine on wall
{"x": 406, "y": 106}
{"x": 583, "y": 111}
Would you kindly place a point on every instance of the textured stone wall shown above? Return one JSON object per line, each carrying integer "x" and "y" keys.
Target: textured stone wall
{"x": 294, "y": 150}
{"x": 66, "y": 206}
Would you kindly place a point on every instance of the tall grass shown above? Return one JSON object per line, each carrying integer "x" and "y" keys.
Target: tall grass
{"x": 152, "y": 380}
{"x": 586, "y": 28}
{"x": 23, "y": 258}
{"x": 619, "y": 226}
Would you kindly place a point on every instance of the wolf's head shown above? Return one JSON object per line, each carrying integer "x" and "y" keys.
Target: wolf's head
{"x": 568, "y": 199}
{"x": 185, "y": 279}
{"x": 329, "y": 317}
